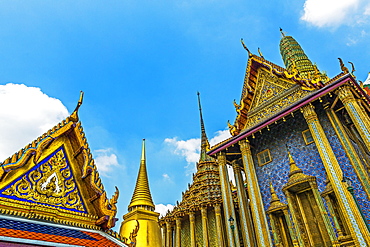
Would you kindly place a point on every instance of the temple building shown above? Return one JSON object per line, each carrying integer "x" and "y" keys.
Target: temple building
{"x": 300, "y": 153}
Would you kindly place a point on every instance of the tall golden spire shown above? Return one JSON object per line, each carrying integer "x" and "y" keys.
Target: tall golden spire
{"x": 142, "y": 196}
{"x": 204, "y": 147}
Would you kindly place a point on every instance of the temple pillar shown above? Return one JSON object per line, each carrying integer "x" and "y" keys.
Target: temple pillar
{"x": 192, "y": 229}
{"x": 243, "y": 205}
{"x": 164, "y": 239}
{"x": 178, "y": 232}
{"x": 205, "y": 226}
{"x": 349, "y": 149}
{"x": 254, "y": 193}
{"x": 228, "y": 204}
{"x": 220, "y": 232}
{"x": 169, "y": 234}
{"x": 356, "y": 112}
{"x": 352, "y": 216}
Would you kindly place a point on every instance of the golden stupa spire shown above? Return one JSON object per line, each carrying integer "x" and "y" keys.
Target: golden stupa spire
{"x": 274, "y": 197}
{"x": 204, "y": 140}
{"x": 142, "y": 196}
{"x": 294, "y": 169}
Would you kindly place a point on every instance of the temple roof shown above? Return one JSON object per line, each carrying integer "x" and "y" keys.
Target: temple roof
{"x": 24, "y": 231}
{"x": 55, "y": 179}
{"x": 142, "y": 195}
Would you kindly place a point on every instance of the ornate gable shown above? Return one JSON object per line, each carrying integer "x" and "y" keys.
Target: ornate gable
{"x": 50, "y": 182}
{"x": 268, "y": 89}
{"x": 55, "y": 179}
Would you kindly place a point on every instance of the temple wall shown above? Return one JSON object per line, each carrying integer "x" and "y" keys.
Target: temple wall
{"x": 306, "y": 157}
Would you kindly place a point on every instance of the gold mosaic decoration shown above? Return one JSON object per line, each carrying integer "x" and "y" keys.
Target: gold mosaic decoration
{"x": 50, "y": 183}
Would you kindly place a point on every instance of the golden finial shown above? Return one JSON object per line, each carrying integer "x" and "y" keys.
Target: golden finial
{"x": 259, "y": 52}
{"x": 282, "y": 33}
{"x": 143, "y": 151}
{"x": 74, "y": 115}
{"x": 342, "y": 67}
{"x": 353, "y": 69}
{"x": 244, "y": 46}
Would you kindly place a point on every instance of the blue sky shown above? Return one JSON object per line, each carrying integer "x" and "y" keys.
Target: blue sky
{"x": 140, "y": 64}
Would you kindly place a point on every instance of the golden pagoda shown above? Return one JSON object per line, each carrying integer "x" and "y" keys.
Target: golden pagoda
{"x": 141, "y": 218}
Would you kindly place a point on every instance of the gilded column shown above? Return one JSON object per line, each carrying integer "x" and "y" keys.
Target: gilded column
{"x": 163, "y": 230}
{"x": 192, "y": 229}
{"x": 345, "y": 200}
{"x": 350, "y": 151}
{"x": 169, "y": 234}
{"x": 220, "y": 232}
{"x": 290, "y": 227}
{"x": 205, "y": 226}
{"x": 258, "y": 212}
{"x": 178, "y": 232}
{"x": 243, "y": 205}
{"x": 229, "y": 210}
{"x": 356, "y": 112}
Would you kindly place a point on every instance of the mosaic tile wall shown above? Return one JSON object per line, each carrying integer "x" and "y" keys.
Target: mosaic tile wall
{"x": 344, "y": 163}
{"x": 306, "y": 157}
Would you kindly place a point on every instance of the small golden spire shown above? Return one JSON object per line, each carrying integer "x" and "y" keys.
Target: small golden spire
{"x": 274, "y": 197}
{"x": 294, "y": 169}
{"x": 142, "y": 196}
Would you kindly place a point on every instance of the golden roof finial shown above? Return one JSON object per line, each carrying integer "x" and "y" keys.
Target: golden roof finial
{"x": 244, "y": 46}
{"x": 74, "y": 115}
{"x": 342, "y": 67}
{"x": 282, "y": 33}
{"x": 259, "y": 52}
{"x": 142, "y": 196}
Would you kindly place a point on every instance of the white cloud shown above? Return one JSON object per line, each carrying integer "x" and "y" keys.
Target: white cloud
{"x": 329, "y": 13}
{"x": 190, "y": 149}
{"x": 25, "y": 114}
{"x": 220, "y": 136}
{"x": 105, "y": 160}
{"x": 367, "y": 10}
{"x": 163, "y": 209}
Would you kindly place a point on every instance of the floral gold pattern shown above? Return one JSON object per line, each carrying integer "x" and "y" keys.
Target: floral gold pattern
{"x": 51, "y": 182}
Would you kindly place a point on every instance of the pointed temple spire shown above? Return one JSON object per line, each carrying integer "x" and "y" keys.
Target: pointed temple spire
{"x": 294, "y": 169}
{"x": 142, "y": 196}
{"x": 204, "y": 139}
{"x": 294, "y": 56}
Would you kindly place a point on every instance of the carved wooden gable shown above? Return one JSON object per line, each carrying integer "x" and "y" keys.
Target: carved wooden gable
{"x": 272, "y": 94}
{"x": 54, "y": 178}
{"x": 50, "y": 182}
